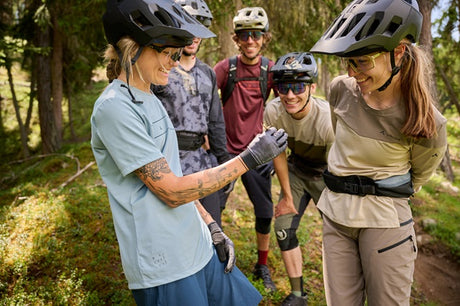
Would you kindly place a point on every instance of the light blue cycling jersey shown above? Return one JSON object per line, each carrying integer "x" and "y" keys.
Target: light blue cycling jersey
{"x": 158, "y": 244}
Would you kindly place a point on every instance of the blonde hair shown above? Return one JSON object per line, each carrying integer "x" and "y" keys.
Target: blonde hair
{"x": 418, "y": 93}
{"x": 127, "y": 48}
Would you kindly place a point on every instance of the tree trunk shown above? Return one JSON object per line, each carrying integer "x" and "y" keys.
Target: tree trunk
{"x": 70, "y": 112}
{"x": 48, "y": 129}
{"x": 227, "y": 47}
{"x": 453, "y": 97}
{"x": 22, "y": 130}
{"x": 2, "y": 127}
{"x": 32, "y": 95}
{"x": 56, "y": 77}
{"x": 426, "y": 40}
{"x": 446, "y": 166}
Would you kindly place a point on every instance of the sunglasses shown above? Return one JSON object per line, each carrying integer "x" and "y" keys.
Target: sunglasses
{"x": 174, "y": 56}
{"x": 255, "y": 35}
{"x": 296, "y": 88}
{"x": 361, "y": 63}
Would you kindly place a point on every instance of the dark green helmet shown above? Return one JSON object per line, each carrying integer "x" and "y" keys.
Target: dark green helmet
{"x": 367, "y": 26}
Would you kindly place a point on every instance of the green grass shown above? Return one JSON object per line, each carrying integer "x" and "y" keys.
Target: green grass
{"x": 58, "y": 246}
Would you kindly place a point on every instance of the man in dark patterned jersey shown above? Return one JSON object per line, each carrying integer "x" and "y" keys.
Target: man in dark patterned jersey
{"x": 193, "y": 104}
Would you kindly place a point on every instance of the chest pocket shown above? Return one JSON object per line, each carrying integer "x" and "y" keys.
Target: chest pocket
{"x": 158, "y": 129}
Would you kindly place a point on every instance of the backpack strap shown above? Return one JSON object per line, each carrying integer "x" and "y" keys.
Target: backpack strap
{"x": 263, "y": 81}
{"x": 232, "y": 79}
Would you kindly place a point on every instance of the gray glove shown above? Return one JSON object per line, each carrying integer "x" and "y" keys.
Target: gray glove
{"x": 224, "y": 246}
{"x": 264, "y": 147}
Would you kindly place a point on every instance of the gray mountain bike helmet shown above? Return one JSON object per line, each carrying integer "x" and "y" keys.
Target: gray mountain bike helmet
{"x": 149, "y": 22}
{"x": 251, "y": 18}
{"x": 295, "y": 67}
{"x": 367, "y": 26}
{"x": 198, "y": 9}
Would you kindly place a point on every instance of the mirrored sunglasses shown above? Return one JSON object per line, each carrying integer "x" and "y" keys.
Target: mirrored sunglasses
{"x": 297, "y": 88}
{"x": 361, "y": 63}
{"x": 244, "y": 36}
{"x": 174, "y": 56}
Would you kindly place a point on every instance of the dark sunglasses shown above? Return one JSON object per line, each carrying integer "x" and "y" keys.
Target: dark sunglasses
{"x": 244, "y": 36}
{"x": 173, "y": 56}
{"x": 297, "y": 88}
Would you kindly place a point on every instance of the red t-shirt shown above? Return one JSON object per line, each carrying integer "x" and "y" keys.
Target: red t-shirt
{"x": 243, "y": 111}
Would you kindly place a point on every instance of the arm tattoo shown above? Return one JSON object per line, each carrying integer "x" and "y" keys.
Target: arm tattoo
{"x": 154, "y": 170}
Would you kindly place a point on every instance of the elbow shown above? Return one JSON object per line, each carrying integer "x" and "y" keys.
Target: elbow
{"x": 172, "y": 200}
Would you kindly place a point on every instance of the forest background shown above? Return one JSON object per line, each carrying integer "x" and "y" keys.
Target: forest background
{"x": 57, "y": 244}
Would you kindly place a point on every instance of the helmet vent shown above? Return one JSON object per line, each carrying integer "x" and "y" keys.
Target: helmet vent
{"x": 394, "y": 25}
{"x": 356, "y": 19}
{"x": 166, "y": 19}
{"x": 307, "y": 61}
{"x": 370, "y": 27}
{"x": 339, "y": 24}
{"x": 139, "y": 19}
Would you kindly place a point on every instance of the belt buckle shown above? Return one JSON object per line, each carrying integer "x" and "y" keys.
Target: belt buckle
{"x": 351, "y": 188}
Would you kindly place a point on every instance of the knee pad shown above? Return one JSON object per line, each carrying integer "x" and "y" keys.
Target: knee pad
{"x": 263, "y": 225}
{"x": 287, "y": 239}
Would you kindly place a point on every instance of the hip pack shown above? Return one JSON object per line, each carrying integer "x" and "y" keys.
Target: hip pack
{"x": 189, "y": 141}
{"x": 398, "y": 186}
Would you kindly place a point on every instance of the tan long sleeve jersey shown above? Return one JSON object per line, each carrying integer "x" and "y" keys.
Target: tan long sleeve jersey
{"x": 368, "y": 142}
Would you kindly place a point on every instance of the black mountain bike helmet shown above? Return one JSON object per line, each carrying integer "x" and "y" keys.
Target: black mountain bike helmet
{"x": 198, "y": 9}
{"x": 367, "y": 26}
{"x": 147, "y": 22}
{"x": 295, "y": 67}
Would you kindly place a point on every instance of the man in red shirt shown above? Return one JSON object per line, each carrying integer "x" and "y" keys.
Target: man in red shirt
{"x": 243, "y": 97}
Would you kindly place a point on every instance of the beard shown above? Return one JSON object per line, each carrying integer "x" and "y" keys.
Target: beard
{"x": 185, "y": 53}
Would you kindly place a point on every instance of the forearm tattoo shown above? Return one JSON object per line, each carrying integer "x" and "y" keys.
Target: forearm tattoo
{"x": 194, "y": 188}
{"x": 154, "y": 170}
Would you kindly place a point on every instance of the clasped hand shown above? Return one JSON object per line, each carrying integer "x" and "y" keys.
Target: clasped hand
{"x": 264, "y": 147}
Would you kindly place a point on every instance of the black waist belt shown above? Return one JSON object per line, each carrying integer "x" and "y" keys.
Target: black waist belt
{"x": 362, "y": 185}
{"x": 189, "y": 141}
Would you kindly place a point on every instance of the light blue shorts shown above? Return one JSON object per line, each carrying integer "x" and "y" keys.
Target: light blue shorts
{"x": 210, "y": 286}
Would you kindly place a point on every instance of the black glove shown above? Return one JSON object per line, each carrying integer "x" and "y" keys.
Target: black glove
{"x": 229, "y": 188}
{"x": 264, "y": 147}
{"x": 224, "y": 246}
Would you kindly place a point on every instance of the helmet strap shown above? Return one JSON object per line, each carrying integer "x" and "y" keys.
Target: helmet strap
{"x": 394, "y": 71}
{"x": 308, "y": 100}
{"x": 136, "y": 57}
{"x": 133, "y": 61}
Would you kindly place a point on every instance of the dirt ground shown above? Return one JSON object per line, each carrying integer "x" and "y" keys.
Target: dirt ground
{"x": 437, "y": 273}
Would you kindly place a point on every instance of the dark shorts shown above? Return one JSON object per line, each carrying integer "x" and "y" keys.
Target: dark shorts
{"x": 258, "y": 185}
{"x": 210, "y": 286}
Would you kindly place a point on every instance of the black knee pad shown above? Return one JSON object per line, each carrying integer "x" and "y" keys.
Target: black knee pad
{"x": 287, "y": 239}
{"x": 263, "y": 225}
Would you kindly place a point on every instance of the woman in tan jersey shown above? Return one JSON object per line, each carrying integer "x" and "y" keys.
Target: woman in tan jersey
{"x": 389, "y": 140}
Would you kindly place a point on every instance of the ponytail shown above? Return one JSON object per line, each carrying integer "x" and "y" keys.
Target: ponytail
{"x": 418, "y": 93}
{"x": 121, "y": 58}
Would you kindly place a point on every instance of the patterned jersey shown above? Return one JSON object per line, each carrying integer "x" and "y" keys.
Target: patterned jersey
{"x": 192, "y": 102}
